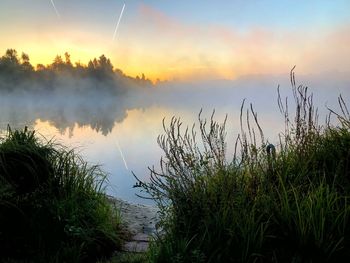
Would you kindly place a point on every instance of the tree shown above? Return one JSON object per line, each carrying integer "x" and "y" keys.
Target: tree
{"x": 24, "y": 57}
{"x": 67, "y": 58}
{"x": 16, "y": 71}
{"x": 25, "y": 62}
{"x": 105, "y": 64}
{"x": 57, "y": 63}
{"x": 40, "y": 67}
{"x": 9, "y": 62}
{"x": 11, "y": 55}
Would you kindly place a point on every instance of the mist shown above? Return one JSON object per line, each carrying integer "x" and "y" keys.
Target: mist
{"x": 96, "y": 106}
{"x": 99, "y": 96}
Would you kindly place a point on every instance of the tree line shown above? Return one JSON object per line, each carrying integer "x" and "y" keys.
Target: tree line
{"x": 17, "y": 73}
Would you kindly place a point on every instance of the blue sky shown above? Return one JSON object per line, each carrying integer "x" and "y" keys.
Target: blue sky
{"x": 184, "y": 39}
{"x": 284, "y": 14}
{"x": 245, "y": 14}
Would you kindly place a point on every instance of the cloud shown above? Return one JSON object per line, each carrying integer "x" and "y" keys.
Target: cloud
{"x": 161, "y": 43}
{"x": 331, "y": 52}
{"x": 165, "y": 47}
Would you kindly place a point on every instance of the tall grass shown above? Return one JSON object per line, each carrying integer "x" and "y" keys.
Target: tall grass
{"x": 287, "y": 202}
{"x": 52, "y": 206}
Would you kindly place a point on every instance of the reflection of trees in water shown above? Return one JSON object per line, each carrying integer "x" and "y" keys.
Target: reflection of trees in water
{"x": 100, "y": 118}
{"x": 98, "y": 112}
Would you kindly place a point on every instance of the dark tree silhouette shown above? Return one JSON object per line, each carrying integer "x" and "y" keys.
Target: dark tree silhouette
{"x": 17, "y": 73}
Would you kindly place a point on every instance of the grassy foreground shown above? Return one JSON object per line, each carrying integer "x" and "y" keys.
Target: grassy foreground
{"x": 287, "y": 202}
{"x": 52, "y": 207}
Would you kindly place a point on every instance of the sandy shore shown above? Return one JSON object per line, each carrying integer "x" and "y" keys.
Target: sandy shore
{"x": 140, "y": 220}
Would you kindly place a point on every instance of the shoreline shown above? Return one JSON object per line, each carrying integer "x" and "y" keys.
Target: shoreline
{"x": 140, "y": 221}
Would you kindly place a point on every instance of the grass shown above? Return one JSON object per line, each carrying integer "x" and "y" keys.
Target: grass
{"x": 287, "y": 202}
{"x": 52, "y": 205}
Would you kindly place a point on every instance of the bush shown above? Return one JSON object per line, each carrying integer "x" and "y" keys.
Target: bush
{"x": 284, "y": 203}
{"x": 52, "y": 207}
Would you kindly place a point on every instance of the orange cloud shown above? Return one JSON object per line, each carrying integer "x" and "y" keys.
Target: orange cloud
{"x": 160, "y": 46}
{"x": 169, "y": 48}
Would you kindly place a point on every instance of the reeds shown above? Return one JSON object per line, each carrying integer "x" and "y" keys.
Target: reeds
{"x": 272, "y": 203}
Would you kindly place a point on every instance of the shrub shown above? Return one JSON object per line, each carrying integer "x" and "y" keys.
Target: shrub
{"x": 52, "y": 207}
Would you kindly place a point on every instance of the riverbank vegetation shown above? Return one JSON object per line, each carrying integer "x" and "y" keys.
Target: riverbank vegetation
{"x": 52, "y": 205}
{"x": 281, "y": 202}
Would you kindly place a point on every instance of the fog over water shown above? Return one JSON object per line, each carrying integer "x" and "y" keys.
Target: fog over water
{"x": 95, "y": 120}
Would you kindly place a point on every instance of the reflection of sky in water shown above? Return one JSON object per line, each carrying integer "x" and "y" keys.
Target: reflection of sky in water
{"x": 137, "y": 139}
{"x": 93, "y": 125}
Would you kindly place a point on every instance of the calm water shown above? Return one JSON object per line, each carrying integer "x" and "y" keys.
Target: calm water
{"x": 120, "y": 133}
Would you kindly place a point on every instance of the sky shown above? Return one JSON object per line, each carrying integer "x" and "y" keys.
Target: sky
{"x": 185, "y": 39}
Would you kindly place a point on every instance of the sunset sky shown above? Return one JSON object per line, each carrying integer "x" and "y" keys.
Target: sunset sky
{"x": 186, "y": 39}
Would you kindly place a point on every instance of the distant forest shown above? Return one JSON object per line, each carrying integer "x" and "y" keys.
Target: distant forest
{"x": 17, "y": 74}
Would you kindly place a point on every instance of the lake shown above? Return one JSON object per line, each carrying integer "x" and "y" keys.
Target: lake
{"x": 120, "y": 132}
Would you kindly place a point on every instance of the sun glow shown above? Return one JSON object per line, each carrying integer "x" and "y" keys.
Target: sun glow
{"x": 160, "y": 46}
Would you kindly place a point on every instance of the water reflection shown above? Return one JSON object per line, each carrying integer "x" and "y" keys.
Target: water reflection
{"x": 95, "y": 123}
{"x": 136, "y": 136}
{"x": 98, "y": 112}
